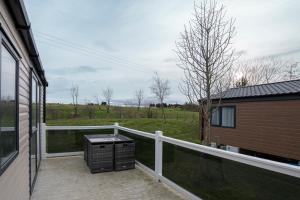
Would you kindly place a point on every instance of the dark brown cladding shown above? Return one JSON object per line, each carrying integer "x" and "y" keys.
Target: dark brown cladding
{"x": 271, "y": 127}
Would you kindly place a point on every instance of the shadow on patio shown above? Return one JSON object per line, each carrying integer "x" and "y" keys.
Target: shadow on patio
{"x": 68, "y": 178}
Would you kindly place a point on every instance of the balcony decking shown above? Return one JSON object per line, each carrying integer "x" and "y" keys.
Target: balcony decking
{"x": 68, "y": 178}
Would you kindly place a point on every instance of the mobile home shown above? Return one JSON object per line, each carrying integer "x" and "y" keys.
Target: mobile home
{"x": 260, "y": 120}
{"x": 22, "y": 97}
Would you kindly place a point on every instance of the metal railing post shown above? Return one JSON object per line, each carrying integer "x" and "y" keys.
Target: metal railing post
{"x": 158, "y": 154}
{"x": 43, "y": 140}
{"x": 116, "y": 130}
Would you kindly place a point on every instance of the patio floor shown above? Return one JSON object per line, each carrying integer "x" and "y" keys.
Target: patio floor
{"x": 69, "y": 178}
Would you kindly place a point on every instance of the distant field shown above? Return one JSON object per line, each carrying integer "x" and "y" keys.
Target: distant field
{"x": 179, "y": 123}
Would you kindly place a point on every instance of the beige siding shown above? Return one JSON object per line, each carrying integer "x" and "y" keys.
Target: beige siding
{"x": 14, "y": 182}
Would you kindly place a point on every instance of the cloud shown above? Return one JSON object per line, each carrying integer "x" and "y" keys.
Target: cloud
{"x": 170, "y": 60}
{"x": 86, "y": 69}
{"x": 288, "y": 52}
{"x": 82, "y": 69}
{"x": 104, "y": 45}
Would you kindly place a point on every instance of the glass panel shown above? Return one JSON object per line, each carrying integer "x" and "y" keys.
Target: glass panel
{"x": 60, "y": 141}
{"x": 33, "y": 164}
{"x": 8, "y": 133}
{"x": 33, "y": 136}
{"x": 215, "y": 117}
{"x": 38, "y": 126}
{"x": 7, "y": 143}
{"x": 215, "y": 178}
{"x": 34, "y": 104}
{"x": 144, "y": 149}
{"x": 228, "y": 116}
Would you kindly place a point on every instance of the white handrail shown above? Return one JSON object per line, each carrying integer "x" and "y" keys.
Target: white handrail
{"x": 140, "y": 133}
{"x": 7, "y": 129}
{"x": 79, "y": 127}
{"x": 250, "y": 160}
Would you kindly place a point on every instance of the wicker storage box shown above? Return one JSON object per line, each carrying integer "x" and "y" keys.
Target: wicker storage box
{"x": 104, "y": 153}
{"x": 99, "y": 153}
{"x": 101, "y": 157}
{"x": 124, "y": 155}
{"x": 86, "y": 144}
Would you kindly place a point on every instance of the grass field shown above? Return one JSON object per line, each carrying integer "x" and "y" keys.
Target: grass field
{"x": 180, "y": 124}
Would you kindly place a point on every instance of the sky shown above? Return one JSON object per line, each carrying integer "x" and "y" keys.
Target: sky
{"x": 120, "y": 44}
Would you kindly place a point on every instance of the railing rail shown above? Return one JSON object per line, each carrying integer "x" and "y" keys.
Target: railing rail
{"x": 250, "y": 160}
{"x": 79, "y": 127}
{"x": 133, "y": 131}
{"x": 159, "y": 139}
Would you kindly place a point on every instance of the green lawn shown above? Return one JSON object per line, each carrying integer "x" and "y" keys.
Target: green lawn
{"x": 179, "y": 124}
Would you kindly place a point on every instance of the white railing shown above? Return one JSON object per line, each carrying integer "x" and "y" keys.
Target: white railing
{"x": 136, "y": 132}
{"x": 80, "y": 127}
{"x": 159, "y": 139}
{"x": 249, "y": 160}
{"x": 45, "y": 128}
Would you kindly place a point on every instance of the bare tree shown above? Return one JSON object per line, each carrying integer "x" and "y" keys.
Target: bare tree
{"x": 139, "y": 95}
{"x": 90, "y": 109}
{"x": 187, "y": 90}
{"x": 271, "y": 69}
{"x": 148, "y": 102}
{"x": 161, "y": 89}
{"x": 225, "y": 82}
{"x": 75, "y": 94}
{"x": 292, "y": 71}
{"x": 206, "y": 55}
{"x": 262, "y": 70}
{"x": 98, "y": 101}
{"x": 107, "y": 94}
{"x": 249, "y": 72}
{"x": 242, "y": 82}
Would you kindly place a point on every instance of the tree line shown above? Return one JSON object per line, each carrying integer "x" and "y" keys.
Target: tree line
{"x": 160, "y": 88}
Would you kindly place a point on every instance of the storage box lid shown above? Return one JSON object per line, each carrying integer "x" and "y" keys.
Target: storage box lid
{"x": 105, "y": 138}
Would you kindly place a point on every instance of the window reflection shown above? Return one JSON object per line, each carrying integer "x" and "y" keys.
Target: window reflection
{"x": 8, "y": 134}
{"x": 33, "y": 137}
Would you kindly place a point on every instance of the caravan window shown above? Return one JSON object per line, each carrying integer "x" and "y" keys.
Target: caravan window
{"x": 8, "y": 107}
{"x": 223, "y": 116}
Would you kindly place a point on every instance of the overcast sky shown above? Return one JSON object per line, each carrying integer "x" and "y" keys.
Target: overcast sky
{"x": 120, "y": 44}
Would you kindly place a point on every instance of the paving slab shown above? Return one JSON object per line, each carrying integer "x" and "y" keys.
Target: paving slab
{"x": 68, "y": 178}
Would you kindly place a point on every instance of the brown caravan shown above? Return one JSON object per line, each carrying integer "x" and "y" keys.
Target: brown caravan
{"x": 260, "y": 120}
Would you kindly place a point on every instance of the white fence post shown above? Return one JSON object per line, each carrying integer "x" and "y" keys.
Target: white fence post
{"x": 43, "y": 140}
{"x": 116, "y": 130}
{"x": 158, "y": 154}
